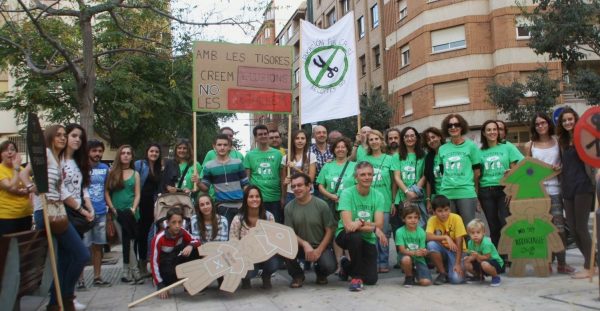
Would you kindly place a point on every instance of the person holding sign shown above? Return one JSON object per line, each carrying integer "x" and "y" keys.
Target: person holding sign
{"x": 15, "y": 210}
{"x": 577, "y": 181}
{"x": 71, "y": 252}
{"x": 264, "y": 169}
{"x": 300, "y": 160}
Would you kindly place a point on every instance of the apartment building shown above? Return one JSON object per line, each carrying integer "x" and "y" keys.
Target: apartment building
{"x": 369, "y": 36}
{"x": 441, "y": 54}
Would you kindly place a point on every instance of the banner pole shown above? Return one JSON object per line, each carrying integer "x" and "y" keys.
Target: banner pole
{"x": 301, "y": 72}
{"x": 593, "y": 252}
{"x": 195, "y": 147}
{"x": 289, "y": 139}
{"x": 51, "y": 251}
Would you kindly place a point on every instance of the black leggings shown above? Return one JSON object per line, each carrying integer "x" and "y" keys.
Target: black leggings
{"x": 144, "y": 225}
{"x": 577, "y": 211}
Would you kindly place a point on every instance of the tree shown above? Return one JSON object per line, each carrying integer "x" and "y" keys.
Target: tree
{"x": 566, "y": 30}
{"x": 514, "y": 101}
{"x": 51, "y": 38}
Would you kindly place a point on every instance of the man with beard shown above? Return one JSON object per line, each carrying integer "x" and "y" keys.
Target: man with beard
{"x": 392, "y": 139}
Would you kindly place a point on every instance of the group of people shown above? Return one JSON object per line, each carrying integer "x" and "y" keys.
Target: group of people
{"x": 344, "y": 199}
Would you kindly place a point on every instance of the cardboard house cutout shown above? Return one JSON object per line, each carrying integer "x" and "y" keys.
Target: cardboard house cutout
{"x": 529, "y": 236}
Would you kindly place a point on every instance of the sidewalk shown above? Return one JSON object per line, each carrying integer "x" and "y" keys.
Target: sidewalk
{"x": 557, "y": 292}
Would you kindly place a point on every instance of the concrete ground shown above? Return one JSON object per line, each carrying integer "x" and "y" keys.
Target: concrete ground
{"x": 557, "y": 292}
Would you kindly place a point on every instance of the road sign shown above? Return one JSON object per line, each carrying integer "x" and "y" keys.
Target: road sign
{"x": 556, "y": 114}
{"x": 587, "y": 137}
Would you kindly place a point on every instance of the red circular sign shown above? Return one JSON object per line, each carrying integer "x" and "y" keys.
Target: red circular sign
{"x": 587, "y": 137}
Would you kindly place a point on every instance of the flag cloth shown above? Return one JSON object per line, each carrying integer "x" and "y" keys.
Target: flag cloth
{"x": 329, "y": 88}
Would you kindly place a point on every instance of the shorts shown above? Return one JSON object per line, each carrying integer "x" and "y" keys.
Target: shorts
{"x": 422, "y": 271}
{"x": 493, "y": 262}
{"x": 97, "y": 235}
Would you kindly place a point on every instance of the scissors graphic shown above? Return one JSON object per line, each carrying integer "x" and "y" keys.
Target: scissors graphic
{"x": 321, "y": 64}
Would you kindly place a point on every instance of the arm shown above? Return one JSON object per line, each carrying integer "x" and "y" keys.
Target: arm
{"x": 421, "y": 182}
{"x": 136, "y": 198}
{"x": 248, "y": 173}
{"x": 476, "y": 175}
{"x": 109, "y": 203}
{"x": 327, "y": 194}
{"x": 349, "y": 225}
{"x": 458, "y": 264}
{"x": 312, "y": 171}
{"x": 12, "y": 184}
{"x": 398, "y": 181}
{"x": 528, "y": 148}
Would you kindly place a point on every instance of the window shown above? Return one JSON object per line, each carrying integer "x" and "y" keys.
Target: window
{"x": 267, "y": 32}
{"x": 331, "y": 18}
{"x": 297, "y": 76}
{"x": 377, "y": 56}
{"x": 290, "y": 31}
{"x": 361, "y": 27}
{"x": 404, "y": 56}
{"x": 523, "y": 79}
{"x": 448, "y": 39}
{"x": 320, "y": 24}
{"x": 402, "y": 9}
{"x": 522, "y": 32}
{"x": 363, "y": 65}
{"x": 345, "y": 4}
{"x": 451, "y": 93}
{"x": 375, "y": 15}
{"x": 408, "y": 104}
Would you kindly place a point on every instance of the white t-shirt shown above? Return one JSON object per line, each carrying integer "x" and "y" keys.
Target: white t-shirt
{"x": 54, "y": 193}
{"x": 312, "y": 159}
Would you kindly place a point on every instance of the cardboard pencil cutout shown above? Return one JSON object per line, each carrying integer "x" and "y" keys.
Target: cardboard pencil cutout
{"x": 233, "y": 259}
{"x": 529, "y": 236}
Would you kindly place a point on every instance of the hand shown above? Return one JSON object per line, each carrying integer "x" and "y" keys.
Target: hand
{"x": 382, "y": 238}
{"x": 458, "y": 269}
{"x": 187, "y": 251}
{"x": 557, "y": 167}
{"x": 429, "y": 208}
{"x": 422, "y": 252}
{"x": 358, "y": 139}
{"x": 393, "y": 211}
{"x": 195, "y": 178}
{"x": 286, "y": 181}
{"x": 187, "y": 191}
{"x": 164, "y": 295}
{"x": 411, "y": 195}
{"x": 478, "y": 208}
{"x": 353, "y": 226}
{"x": 89, "y": 216}
{"x": 132, "y": 210}
{"x": 291, "y": 164}
{"x": 113, "y": 210}
{"x": 17, "y": 160}
{"x": 308, "y": 251}
{"x": 171, "y": 189}
{"x": 451, "y": 245}
{"x": 334, "y": 198}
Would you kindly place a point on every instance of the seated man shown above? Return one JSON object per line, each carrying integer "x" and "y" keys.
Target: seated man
{"x": 171, "y": 247}
{"x": 445, "y": 242}
{"x": 312, "y": 220}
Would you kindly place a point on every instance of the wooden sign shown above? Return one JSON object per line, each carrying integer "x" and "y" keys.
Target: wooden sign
{"x": 242, "y": 78}
{"x": 529, "y": 236}
{"x": 587, "y": 137}
{"x": 233, "y": 259}
{"x": 36, "y": 147}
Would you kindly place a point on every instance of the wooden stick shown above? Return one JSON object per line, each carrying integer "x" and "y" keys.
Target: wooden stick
{"x": 593, "y": 252}
{"x": 358, "y": 119}
{"x": 51, "y": 250}
{"x": 287, "y": 157}
{"x": 195, "y": 147}
{"x": 131, "y": 305}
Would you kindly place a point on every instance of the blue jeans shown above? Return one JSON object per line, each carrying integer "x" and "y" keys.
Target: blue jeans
{"x": 71, "y": 255}
{"x": 276, "y": 209}
{"x": 268, "y": 267}
{"x": 383, "y": 252}
{"x": 449, "y": 258}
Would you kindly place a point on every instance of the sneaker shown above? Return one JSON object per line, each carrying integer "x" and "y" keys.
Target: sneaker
{"x": 409, "y": 281}
{"x": 81, "y": 285}
{"x": 99, "y": 282}
{"x": 343, "y": 274}
{"x": 442, "y": 278}
{"x": 356, "y": 285}
{"x": 78, "y": 305}
{"x": 496, "y": 281}
{"x": 322, "y": 280}
{"x": 266, "y": 282}
{"x": 246, "y": 284}
{"x": 474, "y": 278}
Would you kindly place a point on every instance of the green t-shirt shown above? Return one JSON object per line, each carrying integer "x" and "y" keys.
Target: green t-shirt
{"x": 264, "y": 172}
{"x": 411, "y": 170}
{"x": 330, "y": 173}
{"x": 122, "y": 199}
{"x": 309, "y": 221}
{"x": 412, "y": 241}
{"x": 495, "y": 161}
{"x": 361, "y": 207}
{"x": 458, "y": 177}
{"x": 383, "y": 175}
{"x": 485, "y": 247}
{"x": 360, "y": 152}
{"x": 437, "y": 173}
{"x": 187, "y": 180}
{"x": 529, "y": 240}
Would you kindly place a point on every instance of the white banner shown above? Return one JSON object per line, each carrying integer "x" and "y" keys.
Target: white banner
{"x": 328, "y": 76}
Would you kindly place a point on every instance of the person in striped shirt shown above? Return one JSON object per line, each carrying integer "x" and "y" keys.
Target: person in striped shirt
{"x": 171, "y": 247}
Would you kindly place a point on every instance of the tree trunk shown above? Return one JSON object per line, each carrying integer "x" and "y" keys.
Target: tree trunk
{"x": 86, "y": 88}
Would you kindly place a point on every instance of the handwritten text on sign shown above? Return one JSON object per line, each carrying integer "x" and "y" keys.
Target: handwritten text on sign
{"x": 242, "y": 77}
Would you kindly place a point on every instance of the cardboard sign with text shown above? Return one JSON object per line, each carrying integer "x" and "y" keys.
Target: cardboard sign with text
{"x": 242, "y": 78}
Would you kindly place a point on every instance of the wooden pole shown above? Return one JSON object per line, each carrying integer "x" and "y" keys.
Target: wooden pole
{"x": 51, "y": 250}
{"x": 593, "y": 252}
{"x": 287, "y": 157}
{"x": 195, "y": 147}
{"x": 156, "y": 293}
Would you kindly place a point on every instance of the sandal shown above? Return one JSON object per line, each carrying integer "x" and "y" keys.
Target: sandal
{"x": 384, "y": 270}
{"x": 297, "y": 282}
{"x": 565, "y": 269}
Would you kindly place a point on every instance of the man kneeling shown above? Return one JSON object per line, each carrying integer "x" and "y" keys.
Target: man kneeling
{"x": 312, "y": 220}
{"x": 171, "y": 247}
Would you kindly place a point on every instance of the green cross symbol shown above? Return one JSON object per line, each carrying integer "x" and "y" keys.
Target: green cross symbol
{"x": 326, "y": 68}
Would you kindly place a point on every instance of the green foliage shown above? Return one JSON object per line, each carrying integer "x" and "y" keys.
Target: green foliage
{"x": 567, "y": 30}
{"x": 512, "y": 100}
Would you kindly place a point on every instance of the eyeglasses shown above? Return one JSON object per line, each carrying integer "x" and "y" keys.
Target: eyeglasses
{"x": 541, "y": 124}
{"x": 410, "y": 136}
{"x": 453, "y": 125}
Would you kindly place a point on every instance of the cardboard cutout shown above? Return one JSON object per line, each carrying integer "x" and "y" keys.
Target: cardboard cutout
{"x": 233, "y": 259}
{"x": 529, "y": 236}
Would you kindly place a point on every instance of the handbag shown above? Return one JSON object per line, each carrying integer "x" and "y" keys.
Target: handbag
{"x": 112, "y": 237}
{"x": 81, "y": 224}
{"x": 57, "y": 217}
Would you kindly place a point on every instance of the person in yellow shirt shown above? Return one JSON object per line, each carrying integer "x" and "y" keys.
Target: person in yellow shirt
{"x": 445, "y": 242}
{"x": 15, "y": 208}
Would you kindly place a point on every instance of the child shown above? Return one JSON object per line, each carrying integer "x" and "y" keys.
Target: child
{"x": 410, "y": 241}
{"x": 171, "y": 247}
{"x": 483, "y": 258}
{"x": 445, "y": 236}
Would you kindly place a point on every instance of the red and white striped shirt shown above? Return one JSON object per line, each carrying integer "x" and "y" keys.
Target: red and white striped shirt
{"x": 164, "y": 242}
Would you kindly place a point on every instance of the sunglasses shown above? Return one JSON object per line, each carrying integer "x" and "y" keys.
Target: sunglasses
{"x": 453, "y": 125}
